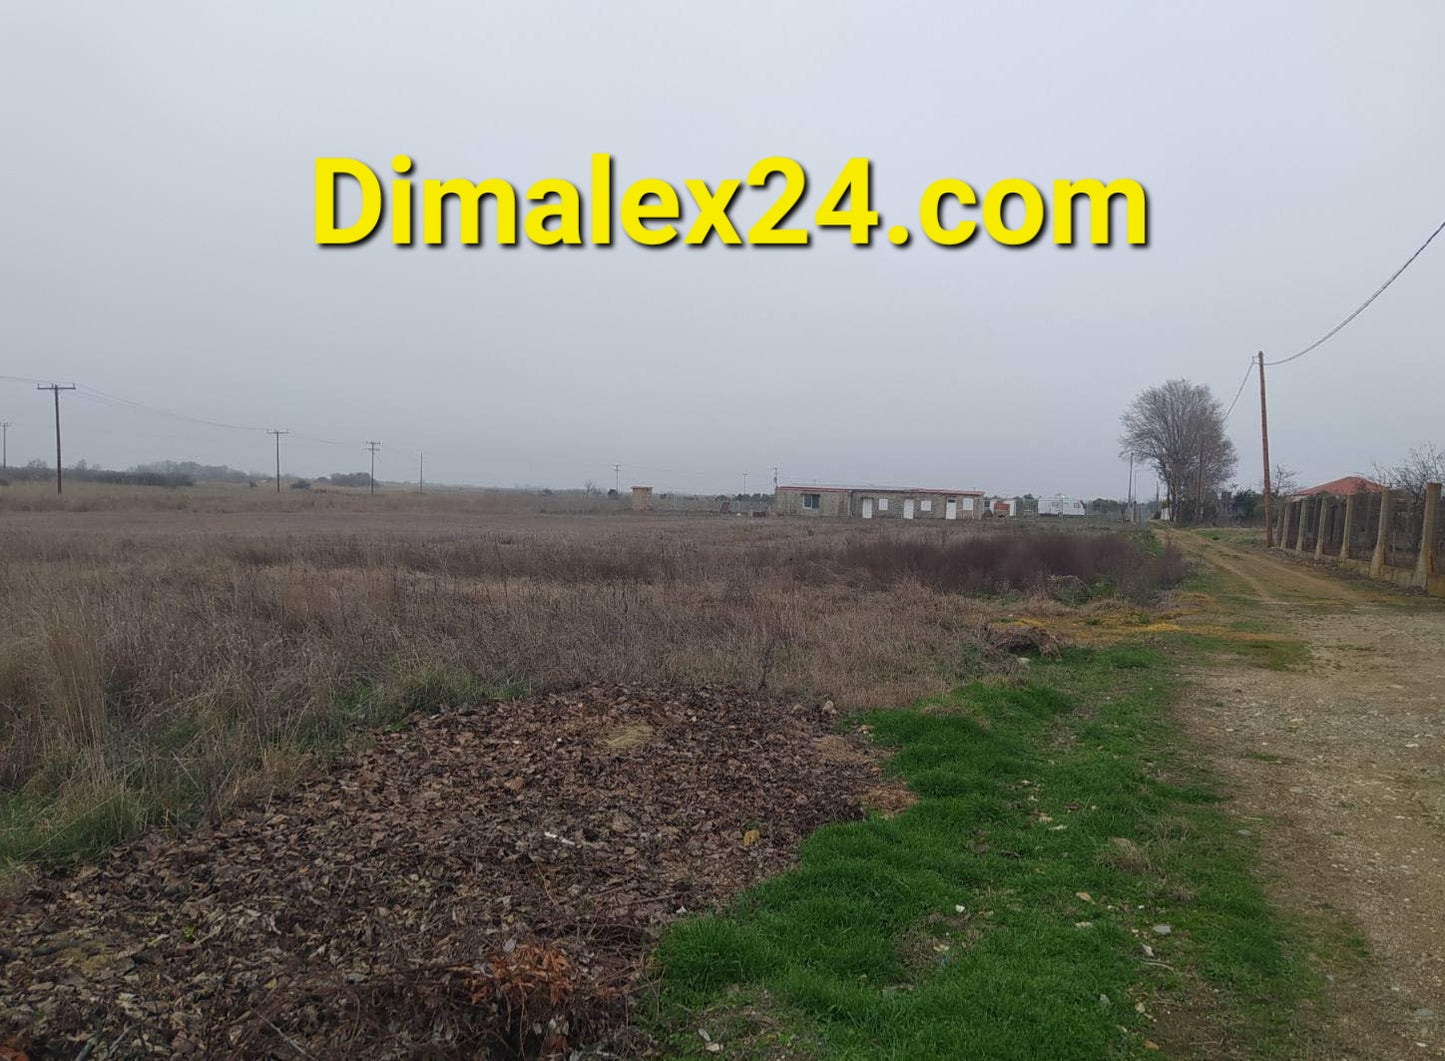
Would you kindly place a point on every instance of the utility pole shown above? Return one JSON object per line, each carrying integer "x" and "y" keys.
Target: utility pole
{"x": 617, "y": 480}
{"x": 1129, "y": 501}
{"x": 745, "y": 484}
{"x": 373, "y": 446}
{"x": 5, "y": 426}
{"x": 1264, "y": 438}
{"x": 278, "y": 433}
{"x": 421, "y": 473}
{"x": 55, "y": 389}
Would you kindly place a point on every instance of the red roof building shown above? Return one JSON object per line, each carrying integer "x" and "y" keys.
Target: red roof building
{"x": 1350, "y": 484}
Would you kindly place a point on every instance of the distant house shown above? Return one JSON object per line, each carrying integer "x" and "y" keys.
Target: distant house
{"x": 878, "y": 502}
{"x": 1350, "y": 484}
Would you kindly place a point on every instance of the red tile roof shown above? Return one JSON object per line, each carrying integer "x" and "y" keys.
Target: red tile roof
{"x": 1350, "y": 484}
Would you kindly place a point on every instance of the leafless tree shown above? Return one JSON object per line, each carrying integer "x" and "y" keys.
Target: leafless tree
{"x": 1284, "y": 481}
{"x": 1423, "y": 464}
{"x": 1178, "y": 428}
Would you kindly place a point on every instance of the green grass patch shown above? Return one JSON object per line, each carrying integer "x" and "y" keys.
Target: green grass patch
{"x": 81, "y": 803}
{"x": 1274, "y": 653}
{"x": 957, "y": 929}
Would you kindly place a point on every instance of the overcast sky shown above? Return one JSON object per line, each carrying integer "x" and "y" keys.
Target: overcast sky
{"x": 157, "y": 238}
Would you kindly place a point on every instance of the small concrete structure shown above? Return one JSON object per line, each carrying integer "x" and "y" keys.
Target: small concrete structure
{"x": 642, "y": 499}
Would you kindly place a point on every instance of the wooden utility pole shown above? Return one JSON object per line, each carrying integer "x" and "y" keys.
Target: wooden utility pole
{"x": 373, "y": 446}
{"x": 55, "y": 389}
{"x": 278, "y": 433}
{"x": 1129, "y": 501}
{"x": 1264, "y": 439}
{"x": 5, "y": 426}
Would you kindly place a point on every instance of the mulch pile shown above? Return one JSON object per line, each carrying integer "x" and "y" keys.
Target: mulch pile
{"x": 486, "y": 882}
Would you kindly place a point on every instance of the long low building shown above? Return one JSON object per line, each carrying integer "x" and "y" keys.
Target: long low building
{"x": 878, "y": 502}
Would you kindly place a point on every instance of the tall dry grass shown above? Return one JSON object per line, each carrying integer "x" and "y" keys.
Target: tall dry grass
{"x": 152, "y": 673}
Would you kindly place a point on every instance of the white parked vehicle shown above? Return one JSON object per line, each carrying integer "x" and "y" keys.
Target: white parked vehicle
{"x": 1061, "y": 506}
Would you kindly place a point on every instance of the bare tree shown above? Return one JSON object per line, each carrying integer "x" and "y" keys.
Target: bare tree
{"x": 1178, "y": 428}
{"x": 1284, "y": 481}
{"x": 1283, "y": 484}
{"x": 1423, "y": 464}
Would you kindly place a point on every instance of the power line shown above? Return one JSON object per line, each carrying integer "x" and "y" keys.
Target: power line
{"x": 1365, "y": 304}
{"x": 117, "y": 401}
{"x": 1242, "y": 383}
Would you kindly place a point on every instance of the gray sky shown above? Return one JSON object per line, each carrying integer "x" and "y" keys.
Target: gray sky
{"x": 158, "y": 236}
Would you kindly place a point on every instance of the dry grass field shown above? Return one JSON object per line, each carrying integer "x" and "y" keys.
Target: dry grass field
{"x": 459, "y": 776}
{"x": 171, "y": 651}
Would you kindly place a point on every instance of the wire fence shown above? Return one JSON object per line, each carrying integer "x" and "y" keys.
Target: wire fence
{"x": 1350, "y": 528}
{"x": 1402, "y": 543}
{"x": 1366, "y": 526}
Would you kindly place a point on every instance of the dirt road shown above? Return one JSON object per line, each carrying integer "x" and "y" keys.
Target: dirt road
{"x": 1340, "y": 762}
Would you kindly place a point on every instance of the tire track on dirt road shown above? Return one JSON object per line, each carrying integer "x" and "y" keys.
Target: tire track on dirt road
{"x": 1340, "y": 763}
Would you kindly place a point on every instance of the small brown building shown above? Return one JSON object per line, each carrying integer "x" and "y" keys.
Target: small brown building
{"x": 642, "y": 499}
{"x": 878, "y": 502}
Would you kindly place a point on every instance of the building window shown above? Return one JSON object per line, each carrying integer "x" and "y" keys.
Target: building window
{"x": 926, "y": 504}
{"x": 882, "y": 504}
{"x": 814, "y": 501}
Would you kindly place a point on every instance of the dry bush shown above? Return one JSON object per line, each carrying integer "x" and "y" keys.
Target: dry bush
{"x": 1018, "y": 560}
{"x": 158, "y": 666}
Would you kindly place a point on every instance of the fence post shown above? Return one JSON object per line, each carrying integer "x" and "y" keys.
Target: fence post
{"x": 1286, "y": 519}
{"x": 1349, "y": 526}
{"x": 1382, "y": 536}
{"x": 1325, "y": 504}
{"x": 1425, "y": 565}
{"x": 1304, "y": 513}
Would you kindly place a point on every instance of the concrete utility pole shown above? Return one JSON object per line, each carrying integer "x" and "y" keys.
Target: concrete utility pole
{"x": 373, "y": 446}
{"x": 745, "y": 484}
{"x": 278, "y": 433}
{"x": 775, "y": 478}
{"x": 55, "y": 389}
{"x": 617, "y": 479}
{"x": 421, "y": 473}
{"x": 1264, "y": 438}
{"x": 5, "y": 426}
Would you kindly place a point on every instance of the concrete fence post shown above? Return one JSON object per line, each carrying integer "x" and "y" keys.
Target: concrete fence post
{"x": 1325, "y": 504}
{"x": 1382, "y": 537}
{"x": 1286, "y": 517}
{"x": 1304, "y": 519}
{"x": 1349, "y": 526}
{"x": 1425, "y": 564}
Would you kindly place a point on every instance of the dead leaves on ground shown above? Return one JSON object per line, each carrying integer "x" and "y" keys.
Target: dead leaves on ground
{"x": 487, "y": 880}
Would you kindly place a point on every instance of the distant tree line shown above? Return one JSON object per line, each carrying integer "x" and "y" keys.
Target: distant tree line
{"x": 172, "y": 474}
